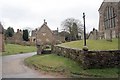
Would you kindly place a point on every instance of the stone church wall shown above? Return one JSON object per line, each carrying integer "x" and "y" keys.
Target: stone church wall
{"x": 111, "y": 32}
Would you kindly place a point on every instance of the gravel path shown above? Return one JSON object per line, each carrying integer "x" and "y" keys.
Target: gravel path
{"x": 13, "y": 67}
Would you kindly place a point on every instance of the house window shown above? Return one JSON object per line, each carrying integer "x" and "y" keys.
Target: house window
{"x": 109, "y": 17}
{"x": 34, "y": 39}
{"x": 47, "y": 40}
{"x": 44, "y": 34}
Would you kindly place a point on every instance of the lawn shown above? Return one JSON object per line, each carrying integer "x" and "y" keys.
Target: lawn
{"x": 11, "y": 49}
{"x": 93, "y": 44}
{"x": 70, "y": 68}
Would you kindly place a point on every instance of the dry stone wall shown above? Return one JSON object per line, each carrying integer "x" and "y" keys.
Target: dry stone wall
{"x": 90, "y": 59}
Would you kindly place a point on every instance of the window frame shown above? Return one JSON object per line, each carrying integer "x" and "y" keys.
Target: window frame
{"x": 109, "y": 17}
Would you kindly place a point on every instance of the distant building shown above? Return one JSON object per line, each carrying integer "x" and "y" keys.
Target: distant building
{"x": 109, "y": 20}
{"x": 18, "y": 36}
{"x": 65, "y": 34}
{"x": 1, "y": 38}
{"x": 58, "y": 38}
{"x": 33, "y": 36}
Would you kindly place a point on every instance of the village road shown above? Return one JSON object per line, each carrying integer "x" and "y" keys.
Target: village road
{"x": 13, "y": 67}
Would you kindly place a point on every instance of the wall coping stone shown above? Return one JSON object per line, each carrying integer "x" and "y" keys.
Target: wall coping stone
{"x": 88, "y": 50}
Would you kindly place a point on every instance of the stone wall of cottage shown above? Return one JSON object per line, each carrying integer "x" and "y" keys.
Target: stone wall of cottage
{"x": 1, "y": 43}
{"x": 90, "y": 59}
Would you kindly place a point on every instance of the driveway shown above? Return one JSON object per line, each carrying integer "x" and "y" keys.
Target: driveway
{"x": 13, "y": 67}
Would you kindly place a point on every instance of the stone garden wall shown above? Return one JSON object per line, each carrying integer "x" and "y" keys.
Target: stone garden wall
{"x": 90, "y": 59}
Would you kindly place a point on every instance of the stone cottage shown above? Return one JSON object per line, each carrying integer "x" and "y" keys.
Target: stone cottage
{"x": 33, "y": 36}
{"x": 1, "y": 38}
{"x": 44, "y": 36}
{"x": 58, "y": 37}
{"x": 109, "y": 20}
{"x": 17, "y": 37}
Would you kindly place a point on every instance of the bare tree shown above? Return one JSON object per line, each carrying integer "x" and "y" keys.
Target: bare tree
{"x": 73, "y": 26}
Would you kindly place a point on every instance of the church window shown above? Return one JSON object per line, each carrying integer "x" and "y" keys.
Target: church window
{"x": 109, "y": 17}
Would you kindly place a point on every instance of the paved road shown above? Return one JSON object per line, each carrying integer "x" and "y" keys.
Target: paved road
{"x": 0, "y": 67}
{"x": 13, "y": 67}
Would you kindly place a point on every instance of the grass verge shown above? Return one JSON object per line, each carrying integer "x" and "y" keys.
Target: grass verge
{"x": 54, "y": 63}
{"x": 11, "y": 49}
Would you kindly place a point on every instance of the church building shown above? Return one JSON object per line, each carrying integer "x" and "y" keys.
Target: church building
{"x": 109, "y": 20}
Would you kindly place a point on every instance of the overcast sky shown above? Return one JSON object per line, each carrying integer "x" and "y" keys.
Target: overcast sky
{"x": 31, "y": 13}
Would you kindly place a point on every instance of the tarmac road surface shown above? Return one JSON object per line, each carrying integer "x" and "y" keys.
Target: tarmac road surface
{"x": 13, "y": 67}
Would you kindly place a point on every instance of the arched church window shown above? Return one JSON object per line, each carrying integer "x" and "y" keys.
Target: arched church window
{"x": 109, "y": 17}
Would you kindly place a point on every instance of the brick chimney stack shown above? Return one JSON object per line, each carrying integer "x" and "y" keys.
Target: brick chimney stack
{"x": 45, "y": 22}
{"x": 18, "y": 30}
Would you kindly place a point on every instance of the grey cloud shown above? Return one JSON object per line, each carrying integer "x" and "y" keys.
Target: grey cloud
{"x": 24, "y": 15}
